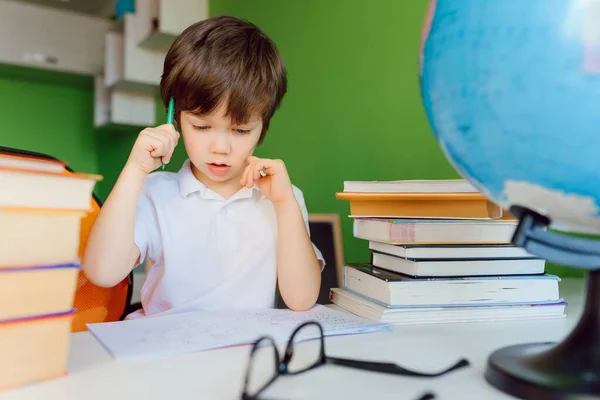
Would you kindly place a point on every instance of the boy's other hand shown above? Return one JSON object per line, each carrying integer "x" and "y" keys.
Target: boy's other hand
{"x": 153, "y": 147}
{"x": 274, "y": 183}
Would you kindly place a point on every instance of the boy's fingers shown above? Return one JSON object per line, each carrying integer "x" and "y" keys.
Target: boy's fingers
{"x": 170, "y": 142}
{"x": 155, "y": 153}
{"x": 257, "y": 168}
{"x": 156, "y": 135}
{"x": 269, "y": 167}
{"x": 160, "y": 147}
{"x": 173, "y": 136}
{"x": 167, "y": 157}
{"x": 249, "y": 181}
{"x": 245, "y": 175}
{"x": 167, "y": 130}
{"x": 173, "y": 132}
{"x": 251, "y": 178}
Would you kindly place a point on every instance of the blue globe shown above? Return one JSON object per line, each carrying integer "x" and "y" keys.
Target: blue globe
{"x": 511, "y": 89}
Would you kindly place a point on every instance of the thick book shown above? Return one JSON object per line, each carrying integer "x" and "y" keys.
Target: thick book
{"x": 28, "y": 188}
{"x": 397, "y": 289}
{"x": 458, "y": 267}
{"x": 452, "y": 251}
{"x": 404, "y": 315}
{"x": 411, "y": 186}
{"x": 37, "y": 290}
{"x": 409, "y": 231}
{"x": 421, "y": 205}
{"x": 39, "y": 236}
{"x": 34, "y": 349}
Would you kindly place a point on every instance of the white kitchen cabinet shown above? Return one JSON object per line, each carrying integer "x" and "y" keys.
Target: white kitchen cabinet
{"x": 123, "y": 108}
{"x": 129, "y": 67}
{"x": 49, "y": 38}
{"x": 168, "y": 19}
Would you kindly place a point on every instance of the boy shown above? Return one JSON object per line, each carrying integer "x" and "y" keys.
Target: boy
{"x": 228, "y": 227}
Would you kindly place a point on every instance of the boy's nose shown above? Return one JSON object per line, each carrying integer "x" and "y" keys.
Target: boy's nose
{"x": 220, "y": 144}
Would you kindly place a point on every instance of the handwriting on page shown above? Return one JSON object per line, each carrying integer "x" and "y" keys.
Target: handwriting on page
{"x": 188, "y": 333}
{"x": 192, "y": 331}
{"x": 331, "y": 321}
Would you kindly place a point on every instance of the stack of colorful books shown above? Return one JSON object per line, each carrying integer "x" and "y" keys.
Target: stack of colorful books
{"x": 440, "y": 252}
{"x": 41, "y": 208}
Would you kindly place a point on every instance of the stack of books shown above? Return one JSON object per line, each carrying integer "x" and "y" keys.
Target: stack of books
{"x": 41, "y": 208}
{"x": 440, "y": 252}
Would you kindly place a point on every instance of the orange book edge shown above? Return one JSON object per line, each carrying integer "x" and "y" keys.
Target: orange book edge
{"x": 420, "y": 196}
{"x": 71, "y": 175}
{"x": 59, "y": 315}
{"x": 34, "y": 159}
{"x": 49, "y": 379}
{"x": 33, "y": 210}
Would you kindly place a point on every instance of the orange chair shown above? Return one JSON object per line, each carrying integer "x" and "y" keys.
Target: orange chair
{"x": 92, "y": 303}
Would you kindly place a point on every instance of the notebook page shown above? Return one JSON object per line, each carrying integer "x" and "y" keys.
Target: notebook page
{"x": 192, "y": 331}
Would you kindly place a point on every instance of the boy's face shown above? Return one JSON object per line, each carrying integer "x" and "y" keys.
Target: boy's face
{"x": 217, "y": 148}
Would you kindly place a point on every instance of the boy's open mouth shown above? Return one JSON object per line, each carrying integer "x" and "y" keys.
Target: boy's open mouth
{"x": 218, "y": 168}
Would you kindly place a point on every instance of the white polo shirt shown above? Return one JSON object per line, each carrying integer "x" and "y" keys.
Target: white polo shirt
{"x": 207, "y": 253}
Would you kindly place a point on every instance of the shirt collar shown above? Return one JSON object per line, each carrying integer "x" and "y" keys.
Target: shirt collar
{"x": 189, "y": 184}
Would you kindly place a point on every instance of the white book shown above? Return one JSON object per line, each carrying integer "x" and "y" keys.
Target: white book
{"x": 458, "y": 267}
{"x": 451, "y": 251}
{"x": 411, "y": 186}
{"x": 30, "y": 163}
{"x": 47, "y": 190}
{"x": 366, "y": 308}
{"x": 397, "y": 289}
{"x": 434, "y": 231}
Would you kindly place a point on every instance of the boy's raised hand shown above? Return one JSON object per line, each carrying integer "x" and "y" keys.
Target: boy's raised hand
{"x": 153, "y": 147}
{"x": 275, "y": 184}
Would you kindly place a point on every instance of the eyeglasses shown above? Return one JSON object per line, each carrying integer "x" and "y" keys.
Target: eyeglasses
{"x": 264, "y": 349}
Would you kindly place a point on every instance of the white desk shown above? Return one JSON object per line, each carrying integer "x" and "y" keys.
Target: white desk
{"x": 218, "y": 374}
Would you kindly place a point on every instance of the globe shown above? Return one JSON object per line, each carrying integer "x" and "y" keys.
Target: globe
{"x": 511, "y": 89}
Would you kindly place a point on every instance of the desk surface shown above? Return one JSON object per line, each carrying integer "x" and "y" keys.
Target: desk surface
{"x": 218, "y": 374}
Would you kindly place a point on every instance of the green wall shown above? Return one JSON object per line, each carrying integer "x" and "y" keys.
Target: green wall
{"x": 48, "y": 112}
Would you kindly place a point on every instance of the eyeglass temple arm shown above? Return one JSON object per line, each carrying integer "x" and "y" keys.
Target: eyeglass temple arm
{"x": 391, "y": 368}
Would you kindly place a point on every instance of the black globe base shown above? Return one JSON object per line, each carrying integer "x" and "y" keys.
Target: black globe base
{"x": 569, "y": 369}
{"x": 566, "y": 370}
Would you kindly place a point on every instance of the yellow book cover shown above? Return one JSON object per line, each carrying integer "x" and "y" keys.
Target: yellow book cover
{"x": 39, "y": 290}
{"x": 421, "y": 205}
{"x": 34, "y": 349}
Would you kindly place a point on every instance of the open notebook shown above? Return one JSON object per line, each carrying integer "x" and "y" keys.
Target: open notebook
{"x": 200, "y": 330}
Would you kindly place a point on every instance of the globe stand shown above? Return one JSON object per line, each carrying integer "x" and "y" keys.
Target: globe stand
{"x": 569, "y": 369}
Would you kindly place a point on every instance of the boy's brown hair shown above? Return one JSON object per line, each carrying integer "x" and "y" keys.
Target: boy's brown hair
{"x": 224, "y": 59}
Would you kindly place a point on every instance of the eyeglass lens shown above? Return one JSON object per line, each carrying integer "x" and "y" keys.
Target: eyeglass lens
{"x": 262, "y": 366}
{"x": 312, "y": 353}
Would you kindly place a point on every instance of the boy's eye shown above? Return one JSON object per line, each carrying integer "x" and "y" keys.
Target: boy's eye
{"x": 242, "y": 131}
{"x": 201, "y": 127}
